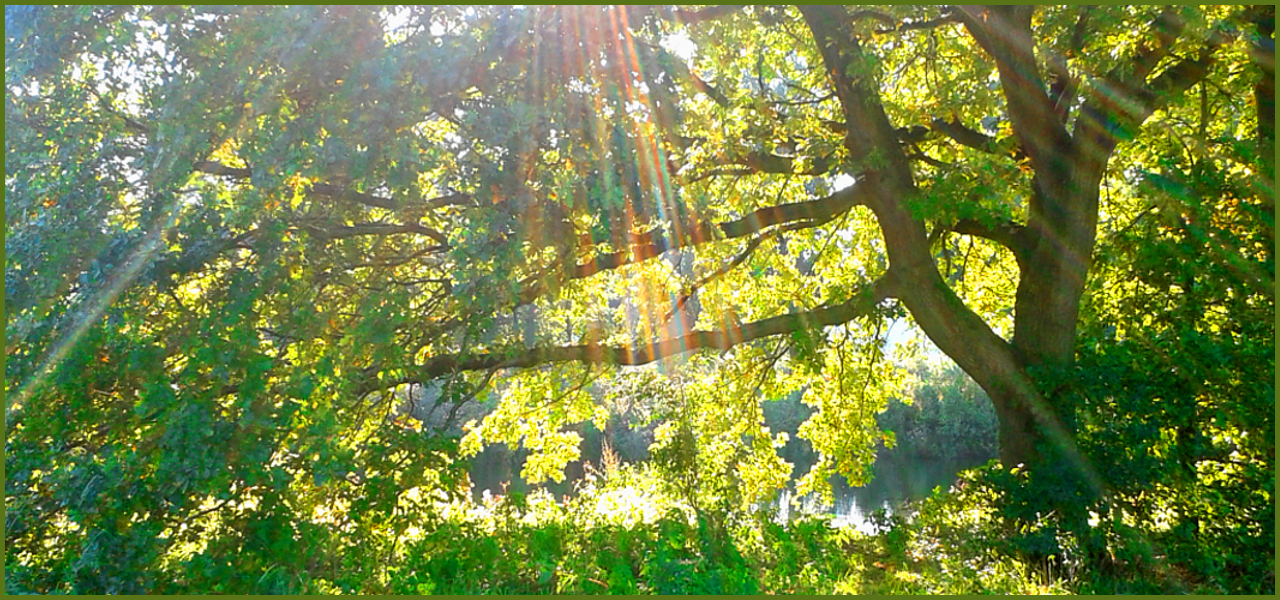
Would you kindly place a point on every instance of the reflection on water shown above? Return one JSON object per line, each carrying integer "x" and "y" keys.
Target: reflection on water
{"x": 899, "y": 477}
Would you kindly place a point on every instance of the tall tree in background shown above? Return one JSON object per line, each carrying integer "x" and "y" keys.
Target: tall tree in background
{"x": 233, "y": 235}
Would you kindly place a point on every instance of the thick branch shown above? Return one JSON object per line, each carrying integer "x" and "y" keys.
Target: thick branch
{"x": 1166, "y": 28}
{"x": 221, "y": 170}
{"x": 1129, "y": 81}
{"x": 964, "y": 135}
{"x": 764, "y": 162}
{"x": 722, "y": 339}
{"x": 197, "y": 256}
{"x": 874, "y": 15}
{"x": 680, "y": 70}
{"x": 1262, "y": 51}
{"x": 710, "y": 90}
{"x": 953, "y": 327}
{"x": 346, "y": 195}
{"x": 652, "y": 244}
{"x": 929, "y": 160}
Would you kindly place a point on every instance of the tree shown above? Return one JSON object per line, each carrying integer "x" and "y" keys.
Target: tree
{"x": 247, "y": 230}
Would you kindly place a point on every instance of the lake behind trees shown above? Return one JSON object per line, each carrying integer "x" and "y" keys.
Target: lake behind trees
{"x": 898, "y": 477}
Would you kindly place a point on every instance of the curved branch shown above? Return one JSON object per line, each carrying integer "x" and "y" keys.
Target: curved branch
{"x": 732, "y": 264}
{"x": 929, "y": 160}
{"x": 337, "y": 192}
{"x": 892, "y": 25}
{"x": 1005, "y": 34}
{"x": 216, "y": 168}
{"x": 867, "y": 132}
{"x": 1063, "y": 89}
{"x": 918, "y": 25}
{"x": 874, "y": 15}
{"x": 756, "y": 162}
{"x": 1166, "y": 28}
{"x": 347, "y": 195}
{"x": 1118, "y": 107}
{"x": 1006, "y": 233}
{"x": 764, "y": 162}
{"x": 959, "y": 133}
{"x": 693, "y": 17}
{"x": 680, "y": 70}
{"x": 652, "y": 243}
{"x": 339, "y": 232}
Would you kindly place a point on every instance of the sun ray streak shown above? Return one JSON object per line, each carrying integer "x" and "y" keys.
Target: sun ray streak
{"x": 92, "y": 311}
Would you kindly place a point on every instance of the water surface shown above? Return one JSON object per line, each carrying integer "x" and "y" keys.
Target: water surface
{"x": 898, "y": 478}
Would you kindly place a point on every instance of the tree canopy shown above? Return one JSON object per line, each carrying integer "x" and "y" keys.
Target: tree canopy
{"x": 256, "y": 258}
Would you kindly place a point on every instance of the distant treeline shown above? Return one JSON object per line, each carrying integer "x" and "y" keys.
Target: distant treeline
{"x": 948, "y": 415}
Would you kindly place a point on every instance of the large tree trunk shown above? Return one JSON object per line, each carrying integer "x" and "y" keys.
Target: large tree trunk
{"x": 1046, "y": 308}
{"x": 1053, "y": 273}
